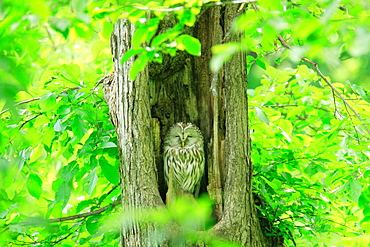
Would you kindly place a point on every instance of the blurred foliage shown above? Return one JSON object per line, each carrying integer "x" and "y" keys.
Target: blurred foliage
{"x": 58, "y": 155}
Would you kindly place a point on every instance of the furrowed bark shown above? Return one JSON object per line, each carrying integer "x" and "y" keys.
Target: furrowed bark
{"x": 137, "y": 166}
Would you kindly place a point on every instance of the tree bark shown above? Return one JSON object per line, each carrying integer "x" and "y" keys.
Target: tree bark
{"x": 179, "y": 91}
{"x": 139, "y": 187}
{"x": 239, "y": 220}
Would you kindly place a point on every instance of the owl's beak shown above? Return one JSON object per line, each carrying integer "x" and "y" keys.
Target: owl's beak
{"x": 182, "y": 144}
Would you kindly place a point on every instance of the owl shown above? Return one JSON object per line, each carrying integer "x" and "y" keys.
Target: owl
{"x": 184, "y": 153}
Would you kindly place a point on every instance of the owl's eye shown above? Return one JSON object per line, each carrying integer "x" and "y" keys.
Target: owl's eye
{"x": 177, "y": 136}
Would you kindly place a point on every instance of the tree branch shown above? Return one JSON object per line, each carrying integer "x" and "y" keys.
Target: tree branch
{"x": 84, "y": 215}
{"x": 74, "y": 217}
{"x": 337, "y": 93}
{"x": 20, "y": 103}
{"x": 30, "y": 119}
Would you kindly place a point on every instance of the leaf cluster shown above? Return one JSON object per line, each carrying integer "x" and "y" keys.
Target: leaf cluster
{"x": 310, "y": 157}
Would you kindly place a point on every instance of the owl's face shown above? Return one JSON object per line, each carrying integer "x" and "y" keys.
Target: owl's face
{"x": 184, "y": 135}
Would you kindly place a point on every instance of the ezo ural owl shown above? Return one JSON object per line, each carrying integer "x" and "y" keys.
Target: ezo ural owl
{"x": 184, "y": 154}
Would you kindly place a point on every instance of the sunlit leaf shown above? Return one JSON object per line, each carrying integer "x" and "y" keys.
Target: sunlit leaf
{"x": 109, "y": 171}
{"x": 92, "y": 224}
{"x": 61, "y": 25}
{"x": 167, "y": 36}
{"x": 138, "y": 65}
{"x": 78, "y": 127}
{"x": 36, "y": 153}
{"x": 59, "y": 126}
{"x": 34, "y": 185}
{"x": 188, "y": 43}
{"x": 261, "y": 115}
{"x": 84, "y": 204}
{"x": 90, "y": 182}
{"x": 72, "y": 73}
{"x": 145, "y": 33}
{"x": 47, "y": 102}
{"x": 130, "y": 53}
{"x": 78, "y": 5}
{"x": 355, "y": 189}
{"x": 63, "y": 193}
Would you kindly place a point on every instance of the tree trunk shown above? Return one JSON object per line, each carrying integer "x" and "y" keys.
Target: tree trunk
{"x": 139, "y": 186}
{"x": 179, "y": 91}
{"x": 239, "y": 219}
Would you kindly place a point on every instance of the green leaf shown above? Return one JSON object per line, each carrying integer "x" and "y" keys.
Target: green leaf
{"x": 78, "y": 5}
{"x": 167, "y": 36}
{"x": 108, "y": 145}
{"x": 34, "y": 185}
{"x": 63, "y": 193}
{"x": 311, "y": 169}
{"x": 360, "y": 91}
{"x": 64, "y": 109}
{"x": 78, "y": 127}
{"x": 261, "y": 63}
{"x": 109, "y": 171}
{"x": 355, "y": 189}
{"x": 63, "y": 186}
{"x": 136, "y": 15}
{"x": 90, "y": 182}
{"x": 47, "y": 102}
{"x": 41, "y": 120}
{"x": 145, "y": 33}
{"x": 138, "y": 65}
{"x": 48, "y": 136}
{"x": 61, "y": 25}
{"x": 84, "y": 204}
{"x": 107, "y": 30}
{"x": 286, "y": 125}
{"x": 59, "y": 126}
{"x": 130, "y": 53}
{"x": 36, "y": 153}
{"x": 261, "y": 115}
{"x": 72, "y": 73}
{"x": 40, "y": 8}
{"x": 274, "y": 184}
{"x": 190, "y": 44}
{"x": 361, "y": 129}
{"x": 92, "y": 224}
{"x": 18, "y": 228}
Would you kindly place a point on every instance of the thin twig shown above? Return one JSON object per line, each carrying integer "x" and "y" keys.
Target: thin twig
{"x": 300, "y": 217}
{"x": 278, "y": 106}
{"x": 111, "y": 190}
{"x": 20, "y": 103}
{"x": 28, "y": 120}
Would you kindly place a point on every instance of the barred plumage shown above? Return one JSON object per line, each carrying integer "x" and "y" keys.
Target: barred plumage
{"x": 184, "y": 152}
